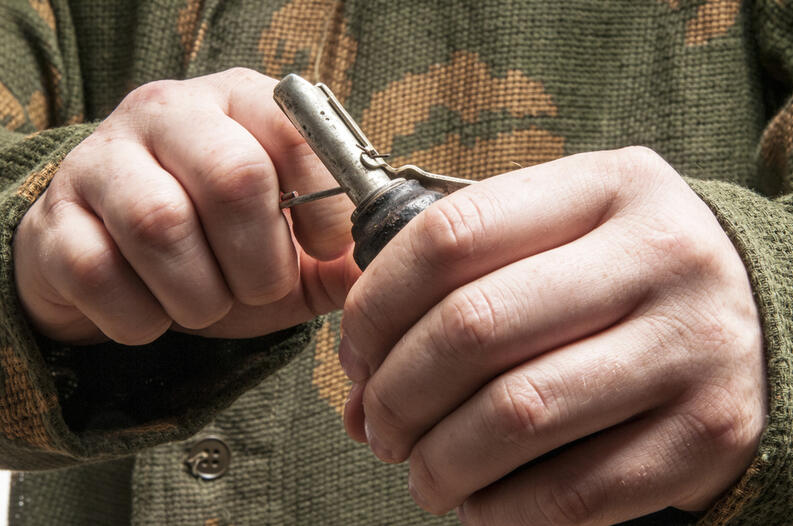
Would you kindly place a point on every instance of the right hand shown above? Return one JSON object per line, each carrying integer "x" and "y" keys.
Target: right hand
{"x": 168, "y": 216}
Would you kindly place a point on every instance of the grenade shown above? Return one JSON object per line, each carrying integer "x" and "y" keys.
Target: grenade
{"x": 386, "y": 198}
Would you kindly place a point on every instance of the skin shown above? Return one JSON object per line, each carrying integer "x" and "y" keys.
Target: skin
{"x": 167, "y": 216}
{"x": 592, "y": 302}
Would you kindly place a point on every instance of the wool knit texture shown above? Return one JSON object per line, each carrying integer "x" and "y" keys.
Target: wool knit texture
{"x": 468, "y": 88}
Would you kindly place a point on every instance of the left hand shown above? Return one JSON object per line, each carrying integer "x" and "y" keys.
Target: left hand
{"x": 593, "y": 302}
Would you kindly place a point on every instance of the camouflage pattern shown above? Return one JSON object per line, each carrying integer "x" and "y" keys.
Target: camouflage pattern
{"x": 470, "y": 89}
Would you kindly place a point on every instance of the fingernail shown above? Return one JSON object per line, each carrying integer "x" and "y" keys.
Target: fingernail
{"x": 353, "y": 365}
{"x": 417, "y": 496}
{"x": 461, "y": 513}
{"x": 375, "y": 445}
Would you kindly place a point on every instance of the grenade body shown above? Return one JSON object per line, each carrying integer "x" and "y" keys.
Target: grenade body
{"x": 377, "y": 220}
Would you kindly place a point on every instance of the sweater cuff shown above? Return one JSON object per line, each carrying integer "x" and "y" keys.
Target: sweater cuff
{"x": 61, "y": 405}
{"x": 762, "y": 231}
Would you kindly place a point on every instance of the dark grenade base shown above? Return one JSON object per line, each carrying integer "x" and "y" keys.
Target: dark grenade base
{"x": 377, "y": 221}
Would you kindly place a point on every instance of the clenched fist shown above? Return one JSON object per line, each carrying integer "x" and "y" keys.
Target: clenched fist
{"x": 591, "y": 307}
{"x": 168, "y": 215}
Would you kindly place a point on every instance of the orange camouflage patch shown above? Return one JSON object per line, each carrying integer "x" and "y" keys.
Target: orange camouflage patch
{"x": 44, "y": 9}
{"x": 23, "y": 408}
{"x": 36, "y": 182}
{"x": 714, "y": 18}
{"x": 186, "y": 27}
{"x": 38, "y": 110}
{"x": 466, "y": 87}
{"x": 12, "y": 114}
{"x": 328, "y": 376}
{"x": 309, "y": 37}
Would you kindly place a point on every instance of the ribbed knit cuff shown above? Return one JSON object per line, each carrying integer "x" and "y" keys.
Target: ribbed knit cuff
{"x": 762, "y": 231}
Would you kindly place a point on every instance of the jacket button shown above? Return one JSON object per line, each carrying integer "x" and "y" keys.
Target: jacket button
{"x": 209, "y": 458}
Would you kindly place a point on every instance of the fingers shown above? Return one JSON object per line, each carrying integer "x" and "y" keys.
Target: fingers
{"x": 628, "y": 472}
{"x": 185, "y": 178}
{"x": 250, "y": 102}
{"x": 462, "y": 237}
{"x": 234, "y": 187}
{"x": 88, "y": 272}
{"x": 492, "y": 324}
{"x": 553, "y": 400}
{"x": 233, "y": 150}
{"x": 156, "y": 228}
{"x": 321, "y": 289}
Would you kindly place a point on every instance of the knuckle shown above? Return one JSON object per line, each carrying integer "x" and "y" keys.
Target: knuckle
{"x": 278, "y": 282}
{"x": 240, "y": 73}
{"x": 293, "y": 144}
{"x": 450, "y": 233}
{"x": 566, "y": 503}
{"x": 160, "y": 222}
{"x": 236, "y": 179}
{"x": 469, "y": 323}
{"x": 425, "y": 481}
{"x": 354, "y": 307}
{"x": 640, "y": 156}
{"x": 382, "y": 411}
{"x": 55, "y": 201}
{"x": 721, "y": 427}
{"x": 94, "y": 271}
{"x": 298, "y": 150}
{"x": 638, "y": 160}
{"x": 158, "y": 93}
{"x": 681, "y": 254}
{"x": 625, "y": 174}
{"x": 519, "y": 410}
{"x": 362, "y": 313}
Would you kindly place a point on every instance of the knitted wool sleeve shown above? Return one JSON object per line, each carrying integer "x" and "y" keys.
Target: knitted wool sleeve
{"x": 61, "y": 405}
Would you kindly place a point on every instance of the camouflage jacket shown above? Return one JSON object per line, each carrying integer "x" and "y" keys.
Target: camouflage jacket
{"x": 464, "y": 88}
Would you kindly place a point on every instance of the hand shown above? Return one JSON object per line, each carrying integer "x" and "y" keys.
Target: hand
{"x": 168, "y": 214}
{"x": 593, "y": 302}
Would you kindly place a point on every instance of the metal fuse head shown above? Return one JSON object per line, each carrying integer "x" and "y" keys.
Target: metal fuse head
{"x": 332, "y": 134}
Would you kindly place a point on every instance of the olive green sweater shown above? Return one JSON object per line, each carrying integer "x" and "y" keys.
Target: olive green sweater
{"x": 466, "y": 88}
